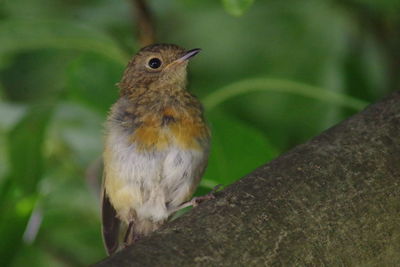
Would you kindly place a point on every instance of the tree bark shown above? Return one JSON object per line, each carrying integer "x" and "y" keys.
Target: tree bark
{"x": 333, "y": 201}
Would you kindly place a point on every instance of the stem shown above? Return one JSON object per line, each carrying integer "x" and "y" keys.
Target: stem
{"x": 280, "y": 86}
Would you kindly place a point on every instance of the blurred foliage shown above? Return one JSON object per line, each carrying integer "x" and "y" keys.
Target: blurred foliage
{"x": 272, "y": 74}
{"x": 237, "y": 7}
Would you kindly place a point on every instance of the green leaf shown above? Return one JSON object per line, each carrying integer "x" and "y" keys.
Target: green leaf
{"x": 385, "y": 7}
{"x": 92, "y": 80}
{"x": 76, "y": 131}
{"x": 25, "y": 148}
{"x": 18, "y": 194}
{"x": 36, "y": 75}
{"x": 237, "y": 7}
{"x": 236, "y": 149}
{"x": 14, "y": 113}
{"x": 17, "y": 35}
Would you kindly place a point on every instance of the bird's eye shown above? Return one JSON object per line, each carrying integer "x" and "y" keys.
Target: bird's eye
{"x": 154, "y": 63}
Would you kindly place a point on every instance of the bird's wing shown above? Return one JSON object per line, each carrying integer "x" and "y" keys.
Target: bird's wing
{"x": 111, "y": 225}
{"x": 199, "y": 170}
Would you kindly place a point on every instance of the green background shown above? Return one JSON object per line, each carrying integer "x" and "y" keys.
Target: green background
{"x": 272, "y": 74}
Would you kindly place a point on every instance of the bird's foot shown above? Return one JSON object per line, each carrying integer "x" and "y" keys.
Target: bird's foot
{"x": 197, "y": 200}
{"x": 130, "y": 236}
{"x": 194, "y": 202}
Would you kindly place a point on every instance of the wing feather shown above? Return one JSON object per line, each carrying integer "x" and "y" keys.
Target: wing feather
{"x": 111, "y": 225}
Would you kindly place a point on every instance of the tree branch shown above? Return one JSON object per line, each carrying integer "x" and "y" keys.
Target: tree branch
{"x": 145, "y": 26}
{"x": 332, "y": 201}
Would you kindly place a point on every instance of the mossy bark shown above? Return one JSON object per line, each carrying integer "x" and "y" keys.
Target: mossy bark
{"x": 333, "y": 201}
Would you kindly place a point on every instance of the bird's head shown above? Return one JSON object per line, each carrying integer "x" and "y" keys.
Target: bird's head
{"x": 157, "y": 66}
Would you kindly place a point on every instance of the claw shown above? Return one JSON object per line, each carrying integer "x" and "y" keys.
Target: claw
{"x": 194, "y": 202}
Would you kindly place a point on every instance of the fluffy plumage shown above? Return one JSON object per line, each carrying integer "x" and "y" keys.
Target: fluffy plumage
{"x": 156, "y": 145}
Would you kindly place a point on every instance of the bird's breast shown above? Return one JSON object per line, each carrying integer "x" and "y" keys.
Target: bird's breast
{"x": 154, "y": 157}
{"x": 170, "y": 127}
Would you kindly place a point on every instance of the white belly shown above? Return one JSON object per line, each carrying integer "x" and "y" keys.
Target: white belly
{"x": 149, "y": 184}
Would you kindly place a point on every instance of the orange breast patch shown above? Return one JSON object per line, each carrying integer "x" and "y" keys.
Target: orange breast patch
{"x": 182, "y": 130}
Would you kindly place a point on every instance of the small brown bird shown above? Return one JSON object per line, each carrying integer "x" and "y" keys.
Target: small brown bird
{"x": 156, "y": 145}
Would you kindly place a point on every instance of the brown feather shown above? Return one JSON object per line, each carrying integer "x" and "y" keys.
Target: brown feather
{"x": 154, "y": 113}
{"x": 111, "y": 225}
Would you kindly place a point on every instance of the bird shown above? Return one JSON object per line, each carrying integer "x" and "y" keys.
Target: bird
{"x": 156, "y": 146}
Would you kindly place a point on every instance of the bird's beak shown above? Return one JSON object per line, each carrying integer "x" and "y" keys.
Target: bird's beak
{"x": 188, "y": 54}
